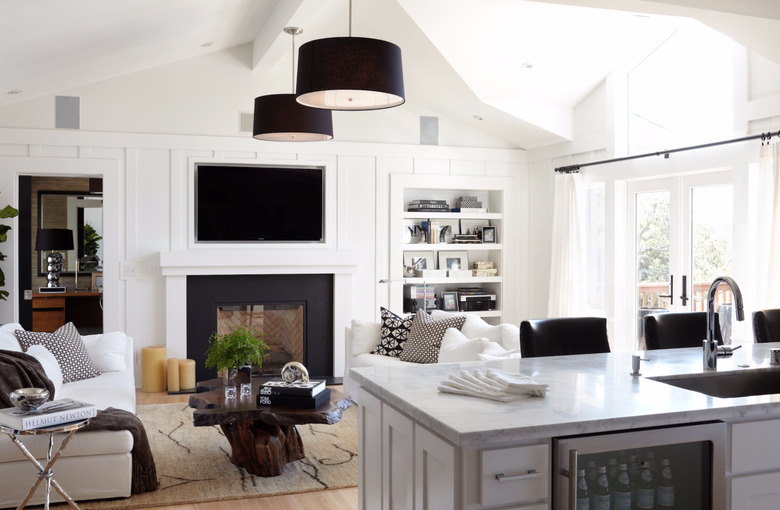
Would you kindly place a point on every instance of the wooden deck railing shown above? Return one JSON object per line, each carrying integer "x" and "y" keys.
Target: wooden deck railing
{"x": 650, "y": 295}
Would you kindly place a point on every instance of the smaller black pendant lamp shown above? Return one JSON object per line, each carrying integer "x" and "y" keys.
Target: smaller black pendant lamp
{"x": 350, "y": 73}
{"x": 280, "y": 118}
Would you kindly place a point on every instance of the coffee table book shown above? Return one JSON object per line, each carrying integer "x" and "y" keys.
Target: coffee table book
{"x": 288, "y": 401}
{"x": 280, "y": 387}
{"x": 49, "y": 414}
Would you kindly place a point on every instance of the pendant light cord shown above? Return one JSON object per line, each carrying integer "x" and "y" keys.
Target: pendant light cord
{"x": 350, "y": 18}
{"x": 292, "y": 74}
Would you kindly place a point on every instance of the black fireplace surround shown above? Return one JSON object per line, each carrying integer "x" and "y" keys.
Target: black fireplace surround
{"x": 205, "y": 293}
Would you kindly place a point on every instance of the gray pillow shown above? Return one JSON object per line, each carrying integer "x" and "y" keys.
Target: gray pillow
{"x": 68, "y": 349}
{"x": 425, "y": 337}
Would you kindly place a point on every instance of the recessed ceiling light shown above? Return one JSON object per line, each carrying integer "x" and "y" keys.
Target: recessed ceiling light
{"x": 527, "y": 65}
{"x": 206, "y": 44}
{"x": 13, "y": 92}
{"x": 478, "y": 117}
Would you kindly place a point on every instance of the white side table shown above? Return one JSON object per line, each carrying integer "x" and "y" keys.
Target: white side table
{"x": 45, "y": 472}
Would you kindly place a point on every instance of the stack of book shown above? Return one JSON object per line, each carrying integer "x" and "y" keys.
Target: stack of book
{"x": 50, "y": 414}
{"x": 466, "y": 239}
{"x": 471, "y": 291}
{"x": 428, "y": 206}
{"x": 309, "y": 394}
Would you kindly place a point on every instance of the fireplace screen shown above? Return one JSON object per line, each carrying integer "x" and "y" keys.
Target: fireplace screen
{"x": 281, "y": 323}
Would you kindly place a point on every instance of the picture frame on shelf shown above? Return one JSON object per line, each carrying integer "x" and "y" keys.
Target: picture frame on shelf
{"x": 489, "y": 235}
{"x": 419, "y": 260}
{"x": 449, "y": 301}
{"x": 453, "y": 260}
{"x": 97, "y": 282}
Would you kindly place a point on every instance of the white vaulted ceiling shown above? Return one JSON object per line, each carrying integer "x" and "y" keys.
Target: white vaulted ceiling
{"x": 522, "y": 66}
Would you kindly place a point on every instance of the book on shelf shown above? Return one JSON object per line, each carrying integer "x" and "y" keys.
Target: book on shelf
{"x": 429, "y": 210}
{"x": 471, "y": 291}
{"x": 469, "y": 209}
{"x": 280, "y": 387}
{"x": 417, "y": 202}
{"x": 49, "y": 414}
{"x": 293, "y": 401}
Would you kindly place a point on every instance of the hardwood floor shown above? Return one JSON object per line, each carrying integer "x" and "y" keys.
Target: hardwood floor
{"x": 341, "y": 499}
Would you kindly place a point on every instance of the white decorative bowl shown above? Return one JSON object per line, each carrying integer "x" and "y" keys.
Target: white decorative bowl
{"x": 29, "y": 399}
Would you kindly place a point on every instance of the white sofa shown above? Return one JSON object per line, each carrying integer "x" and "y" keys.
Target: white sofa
{"x": 94, "y": 465}
{"x": 477, "y": 341}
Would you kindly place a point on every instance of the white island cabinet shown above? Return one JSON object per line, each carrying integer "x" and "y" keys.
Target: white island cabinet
{"x": 421, "y": 449}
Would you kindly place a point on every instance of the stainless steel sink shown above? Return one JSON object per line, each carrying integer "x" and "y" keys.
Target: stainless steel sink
{"x": 728, "y": 385}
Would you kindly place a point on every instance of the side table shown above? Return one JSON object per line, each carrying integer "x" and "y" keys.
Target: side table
{"x": 45, "y": 473}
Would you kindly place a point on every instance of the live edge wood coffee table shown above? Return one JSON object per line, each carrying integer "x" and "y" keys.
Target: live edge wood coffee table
{"x": 262, "y": 438}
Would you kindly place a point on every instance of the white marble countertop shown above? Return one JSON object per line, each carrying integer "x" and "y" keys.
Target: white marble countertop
{"x": 588, "y": 393}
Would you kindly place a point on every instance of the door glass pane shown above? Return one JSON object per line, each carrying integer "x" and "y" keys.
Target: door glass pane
{"x": 652, "y": 254}
{"x": 712, "y": 248}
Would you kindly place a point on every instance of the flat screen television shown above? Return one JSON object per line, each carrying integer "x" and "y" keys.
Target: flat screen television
{"x": 257, "y": 203}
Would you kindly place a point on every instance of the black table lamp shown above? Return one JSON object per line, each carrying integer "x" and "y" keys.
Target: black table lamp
{"x": 54, "y": 239}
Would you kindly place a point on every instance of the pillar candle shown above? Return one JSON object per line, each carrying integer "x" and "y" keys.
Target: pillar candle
{"x": 173, "y": 374}
{"x": 186, "y": 374}
{"x": 153, "y": 369}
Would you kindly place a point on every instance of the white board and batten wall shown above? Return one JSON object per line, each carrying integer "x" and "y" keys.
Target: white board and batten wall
{"x": 148, "y": 214}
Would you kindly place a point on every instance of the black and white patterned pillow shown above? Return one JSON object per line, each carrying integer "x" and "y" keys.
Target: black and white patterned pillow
{"x": 68, "y": 349}
{"x": 425, "y": 337}
{"x": 394, "y": 330}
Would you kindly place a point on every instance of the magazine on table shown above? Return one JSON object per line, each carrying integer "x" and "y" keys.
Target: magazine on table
{"x": 49, "y": 414}
{"x": 289, "y": 401}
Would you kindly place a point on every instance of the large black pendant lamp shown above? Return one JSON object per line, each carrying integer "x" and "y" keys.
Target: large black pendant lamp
{"x": 350, "y": 73}
{"x": 280, "y": 118}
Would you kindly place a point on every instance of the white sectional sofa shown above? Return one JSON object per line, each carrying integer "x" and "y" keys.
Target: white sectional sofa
{"x": 476, "y": 341}
{"x": 95, "y": 464}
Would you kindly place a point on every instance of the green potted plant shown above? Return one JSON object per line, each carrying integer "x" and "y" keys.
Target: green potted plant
{"x": 233, "y": 354}
{"x": 6, "y": 212}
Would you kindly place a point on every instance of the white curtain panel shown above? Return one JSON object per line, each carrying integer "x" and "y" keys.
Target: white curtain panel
{"x": 567, "y": 276}
{"x": 769, "y": 226}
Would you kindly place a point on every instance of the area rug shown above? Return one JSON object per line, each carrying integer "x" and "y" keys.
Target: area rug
{"x": 193, "y": 463}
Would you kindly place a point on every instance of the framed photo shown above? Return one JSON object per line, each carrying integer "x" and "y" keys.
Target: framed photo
{"x": 419, "y": 260}
{"x": 449, "y": 301}
{"x": 489, "y": 234}
{"x": 97, "y": 282}
{"x": 453, "y": 260}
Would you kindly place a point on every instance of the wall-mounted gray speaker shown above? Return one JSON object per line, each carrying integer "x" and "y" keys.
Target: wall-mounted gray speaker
{"x": 245, "y": 122}
{"x": 429, "y": 130}
{"x": 67, "y": 112}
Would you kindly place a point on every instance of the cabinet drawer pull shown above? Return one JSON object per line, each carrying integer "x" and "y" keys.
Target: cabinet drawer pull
{"x": 531, "y": 473}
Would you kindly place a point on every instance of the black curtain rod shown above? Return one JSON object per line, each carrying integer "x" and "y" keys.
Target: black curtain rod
{"x": 575, "y": 168}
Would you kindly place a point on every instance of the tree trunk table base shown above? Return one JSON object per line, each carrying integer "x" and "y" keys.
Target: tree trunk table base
{"x": 262, "y": 449}
{"x": 263, "y": 439}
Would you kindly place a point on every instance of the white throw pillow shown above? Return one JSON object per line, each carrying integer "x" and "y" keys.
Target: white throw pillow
{"x": 455, "y": 346}
{"x": 107, "y": 351}
{"x": 505, "y": 334}
{"x": 8, "y": 341}
{"x": 365, "y": 336}
{"x": 50, "y": 366}
{"x": 494, "y": 351}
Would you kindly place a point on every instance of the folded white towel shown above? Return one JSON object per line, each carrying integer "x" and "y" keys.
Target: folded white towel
{"x": 494, "y": 385}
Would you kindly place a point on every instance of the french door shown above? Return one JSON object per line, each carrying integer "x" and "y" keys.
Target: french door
{"x": 681, "y": 232}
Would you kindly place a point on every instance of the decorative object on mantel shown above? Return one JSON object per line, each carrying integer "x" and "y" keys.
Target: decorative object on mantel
{"x": 53, "y": 239}
{"x": 350, "y": 73}
{"x": 280, "y": 118}
{"x": 234, "y": 354}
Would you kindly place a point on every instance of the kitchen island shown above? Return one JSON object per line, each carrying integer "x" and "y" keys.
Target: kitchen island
{"x": 424, "y": 449}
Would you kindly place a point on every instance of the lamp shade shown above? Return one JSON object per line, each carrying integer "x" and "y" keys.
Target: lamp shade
{"x": 350, "y": 73}
{"x": 279, "y": 117}
{"x": 54, "y": 239}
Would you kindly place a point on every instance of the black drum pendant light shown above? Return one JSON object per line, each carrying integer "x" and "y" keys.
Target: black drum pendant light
{"x": 350, "y": 73}
{"x": 280, "y": 118}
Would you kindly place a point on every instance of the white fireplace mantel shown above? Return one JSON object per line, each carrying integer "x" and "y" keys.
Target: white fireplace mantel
{"x": 177, "y": 265}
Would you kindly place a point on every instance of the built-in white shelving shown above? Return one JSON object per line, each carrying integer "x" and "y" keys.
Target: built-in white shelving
{"x": 494, "y": 192}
